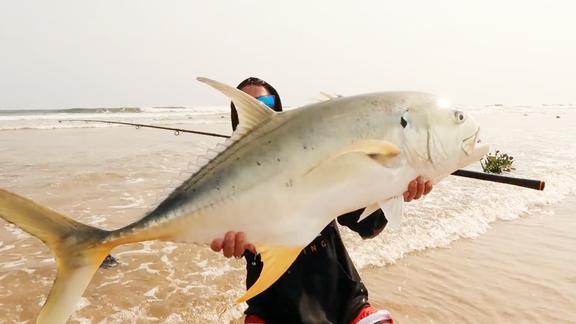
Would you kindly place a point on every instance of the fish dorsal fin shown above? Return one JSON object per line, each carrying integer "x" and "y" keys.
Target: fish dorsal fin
{"x": 393, "y": 209}
{"x": 251, "y": 112}
{"x": 276, "y": 259}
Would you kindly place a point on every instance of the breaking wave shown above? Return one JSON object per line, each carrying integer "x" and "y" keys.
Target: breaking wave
{"x": 77, "y": 117}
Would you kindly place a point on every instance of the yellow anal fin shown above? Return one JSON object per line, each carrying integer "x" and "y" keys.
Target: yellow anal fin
{"x": 276, "y": 259}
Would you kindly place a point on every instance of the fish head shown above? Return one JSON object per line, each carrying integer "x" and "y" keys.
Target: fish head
{"x": 439, "y": 139}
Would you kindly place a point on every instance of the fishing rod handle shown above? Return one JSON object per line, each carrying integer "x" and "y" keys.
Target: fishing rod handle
{"x": 526, "y": 183}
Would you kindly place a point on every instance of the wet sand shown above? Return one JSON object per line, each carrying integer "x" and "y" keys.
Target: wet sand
{"x": 520, "y": 271}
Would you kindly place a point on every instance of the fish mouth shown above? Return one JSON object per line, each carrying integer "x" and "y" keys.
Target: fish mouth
{"x": 474, "y": 149}
{"x": 469, "y": 143}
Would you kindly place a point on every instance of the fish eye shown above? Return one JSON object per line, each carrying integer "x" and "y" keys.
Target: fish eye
{"x": 459, "y": 116}
{"x": 403, "y": 122}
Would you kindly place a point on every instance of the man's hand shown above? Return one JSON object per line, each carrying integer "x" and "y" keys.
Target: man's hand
{"x": 416, "y": 189}
{"x": 233, "y": 244}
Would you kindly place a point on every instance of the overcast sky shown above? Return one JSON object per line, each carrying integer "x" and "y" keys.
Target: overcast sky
{"x": 74, "y": 53}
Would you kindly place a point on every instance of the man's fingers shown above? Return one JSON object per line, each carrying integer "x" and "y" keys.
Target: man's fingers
{"x": 427, "y": 187}
{"x": 413, "y": 186}
{"x": 409, "y": 194}
{"x": 240, "y": 244}
{"x": 216, "y": 245}
{"x": 419, "y": 189}
{"x": 229, "y": 242}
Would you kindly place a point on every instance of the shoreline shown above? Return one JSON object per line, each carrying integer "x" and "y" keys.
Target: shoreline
{"x": 517, "y": 272}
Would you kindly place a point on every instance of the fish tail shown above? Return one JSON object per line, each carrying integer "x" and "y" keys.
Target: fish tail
{"x": 79, "y": 250}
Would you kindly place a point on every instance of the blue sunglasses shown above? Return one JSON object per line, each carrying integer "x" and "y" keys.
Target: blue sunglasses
{"x": 269, "y": 100}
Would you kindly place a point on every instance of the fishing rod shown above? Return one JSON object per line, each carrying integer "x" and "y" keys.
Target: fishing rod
{"x": 526, "y": 183}
{"x": 177, "y": 131}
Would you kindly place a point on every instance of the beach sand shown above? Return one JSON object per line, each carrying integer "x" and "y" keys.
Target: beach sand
{"x": 520, "y": 271}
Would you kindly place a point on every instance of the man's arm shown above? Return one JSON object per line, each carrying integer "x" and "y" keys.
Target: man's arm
{"x": 369, "y": 227}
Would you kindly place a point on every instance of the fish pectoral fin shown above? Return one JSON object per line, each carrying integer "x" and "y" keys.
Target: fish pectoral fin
{"x": 277, "y": 259}
{"x": 393, "y": 209}
{"x": 377, "y": 150}
{"x": 368, "y": 211}
{"x": 251, "y": 112}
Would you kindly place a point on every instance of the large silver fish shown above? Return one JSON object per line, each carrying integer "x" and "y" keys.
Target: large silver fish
{"x": 281, "y": 178}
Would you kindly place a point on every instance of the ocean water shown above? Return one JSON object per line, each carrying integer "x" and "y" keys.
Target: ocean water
{"x": 72, "y": 117}
{"x": 110, "y": 175}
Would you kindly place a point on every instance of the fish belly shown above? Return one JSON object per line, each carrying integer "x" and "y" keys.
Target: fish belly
{"x": 275, "y": 213}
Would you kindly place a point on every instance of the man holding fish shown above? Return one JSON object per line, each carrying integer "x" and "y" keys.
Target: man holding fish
{"x": 322, "y": 285}
{"x": 281, "y": 178}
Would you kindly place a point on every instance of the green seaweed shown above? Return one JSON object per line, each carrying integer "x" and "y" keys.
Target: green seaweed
{"x": 497, "y": 162}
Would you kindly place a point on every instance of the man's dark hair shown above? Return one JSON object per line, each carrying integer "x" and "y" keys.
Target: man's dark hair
{"x": 258, "y": 82}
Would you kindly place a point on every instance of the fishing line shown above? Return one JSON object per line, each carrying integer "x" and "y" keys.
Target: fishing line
{"x": 177, "y": 131}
